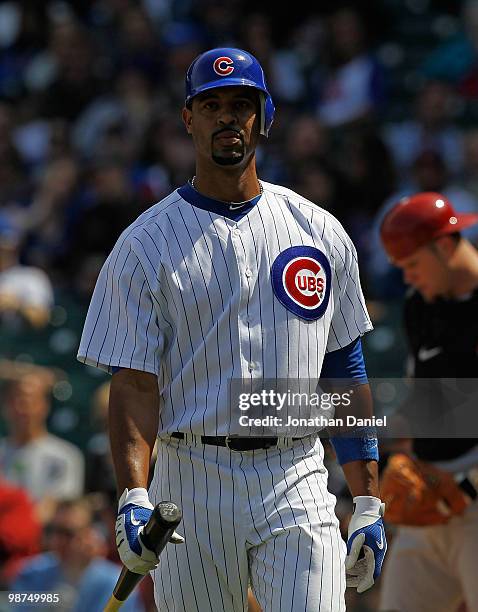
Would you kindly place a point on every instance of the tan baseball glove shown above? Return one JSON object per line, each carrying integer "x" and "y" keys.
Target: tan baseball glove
{"x": 418, "y": 494}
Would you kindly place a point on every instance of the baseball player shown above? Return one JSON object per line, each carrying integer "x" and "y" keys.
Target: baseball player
{"x": 431, "y": 565}
{"x": 232, "y": 278}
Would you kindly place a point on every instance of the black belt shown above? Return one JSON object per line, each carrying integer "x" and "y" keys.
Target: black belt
{"x": 235, "y": 444}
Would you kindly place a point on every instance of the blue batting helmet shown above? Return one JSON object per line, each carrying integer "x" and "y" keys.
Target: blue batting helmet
{"x": 226, "y": 67}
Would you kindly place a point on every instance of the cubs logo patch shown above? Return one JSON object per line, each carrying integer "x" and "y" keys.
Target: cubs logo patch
{"x": 223, "y": 65}
{"x": 301, "y": 279}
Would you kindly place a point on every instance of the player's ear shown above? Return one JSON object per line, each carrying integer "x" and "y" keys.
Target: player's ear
{"x": 187, "y": 119}
{"x": 445, "y": 245}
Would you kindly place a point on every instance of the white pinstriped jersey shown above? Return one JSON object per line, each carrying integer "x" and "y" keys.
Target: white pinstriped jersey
{"x": 189, "y": 294}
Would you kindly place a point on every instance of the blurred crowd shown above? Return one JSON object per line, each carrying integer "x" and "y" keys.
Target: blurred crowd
{"x": 90, "y": 129}
{"x": 91, "y": 136}
{"x": 58, "y": 504}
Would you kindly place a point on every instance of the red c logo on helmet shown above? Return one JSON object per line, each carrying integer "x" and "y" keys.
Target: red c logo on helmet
{"x": 223, "y": 66}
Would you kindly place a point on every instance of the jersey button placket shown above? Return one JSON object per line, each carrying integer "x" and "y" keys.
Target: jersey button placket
{"x": 240, "y": 244}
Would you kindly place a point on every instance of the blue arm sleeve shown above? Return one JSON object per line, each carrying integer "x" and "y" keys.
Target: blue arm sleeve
{"x": 348, "y": 364}
{"x": 362, "y": 447}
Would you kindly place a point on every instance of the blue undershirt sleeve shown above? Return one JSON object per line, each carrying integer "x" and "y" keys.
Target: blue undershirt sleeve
{"x": 347, "y": 365}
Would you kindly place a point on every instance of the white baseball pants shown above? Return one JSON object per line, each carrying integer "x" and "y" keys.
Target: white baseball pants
{"x": 264, "y": 517}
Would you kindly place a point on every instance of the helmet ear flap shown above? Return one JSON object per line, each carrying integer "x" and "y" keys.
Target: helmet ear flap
{"x": 266, "y": 107}
{"x": 269, "y": 110}
{"x": 262, "y": 113}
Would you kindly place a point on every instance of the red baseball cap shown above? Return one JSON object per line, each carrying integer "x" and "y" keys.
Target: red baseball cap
{"x": 417, "y": 220}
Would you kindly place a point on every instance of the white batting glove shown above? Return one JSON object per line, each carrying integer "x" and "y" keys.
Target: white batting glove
{"x": 366, "y": 543}
{"x": 134, "y": 511}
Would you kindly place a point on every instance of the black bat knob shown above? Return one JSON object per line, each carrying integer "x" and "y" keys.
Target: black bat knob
{"x": 165, "y": 518}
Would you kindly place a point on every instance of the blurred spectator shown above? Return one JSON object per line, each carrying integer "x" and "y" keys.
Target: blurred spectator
{"x": 319, "y": 183}
{"x": 32, "y": 138}
{"x": 14, "y": 184}
{"x": 183, "y": 43}
{"x": 51, "y": 214}
{"x": 432, "y": 127}
{"x": 75, "y": 566}
{"x": 470, "y": 170}
{"x": 116, "y": 123}
{"x": 367, "y": 171}
{"x": 352, "y": 87}
{"x": 366, "y": 177}
{"x": 307, "y": 141}
{"x": 20, "y": 530}
{"x": 26, "y": 293}
{"x": 113, "y": 206}
{"x": 456, "y": 59}
{"x": 167, "y": 158}
{"x": 49, "y": 468}
{"x": 219, "y": 20}
{"x": 104, "y": 510}
{"x": 99, "y": 463}
{"x": 139, "y": 45}
{"x": 22, "y": 35}
{"x": 282, "y": 66}
{"x": 75, "y": 75}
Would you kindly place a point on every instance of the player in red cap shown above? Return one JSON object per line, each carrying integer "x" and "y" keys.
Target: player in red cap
{"x": 431, "y": 493}
{"x": 421, "y": 236}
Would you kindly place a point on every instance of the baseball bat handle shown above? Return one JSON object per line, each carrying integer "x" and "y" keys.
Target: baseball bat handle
{"x": 158, "y": 530}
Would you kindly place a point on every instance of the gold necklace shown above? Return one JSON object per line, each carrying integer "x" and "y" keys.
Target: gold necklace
{"x": 233, "y": 205}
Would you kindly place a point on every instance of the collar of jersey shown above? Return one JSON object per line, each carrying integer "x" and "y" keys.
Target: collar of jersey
{"x": 195, "y": 198}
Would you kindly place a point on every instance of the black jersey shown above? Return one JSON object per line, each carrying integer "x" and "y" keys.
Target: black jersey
{"x": 443, "y": 339}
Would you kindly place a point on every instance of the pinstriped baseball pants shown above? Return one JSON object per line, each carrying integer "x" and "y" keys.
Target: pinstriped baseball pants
{"x": 262, "y": 516}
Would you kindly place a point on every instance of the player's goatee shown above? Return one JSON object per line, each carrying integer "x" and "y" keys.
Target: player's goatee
{"x": 236, "y": 158}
